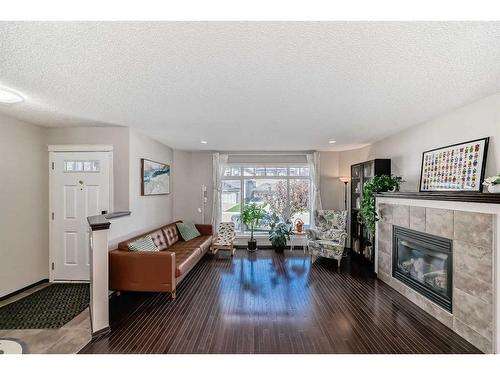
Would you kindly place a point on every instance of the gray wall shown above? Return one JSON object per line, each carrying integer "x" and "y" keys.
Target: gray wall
{"x": 24, "y": 193}
{"x": 331, "y": 188}
{"x": 192, "y": 169}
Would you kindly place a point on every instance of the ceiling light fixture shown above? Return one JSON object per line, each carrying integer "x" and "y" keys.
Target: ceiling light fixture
{"x": 8, "y": 96}
{"x": 332, "y": 142}
{"x": 203, "y": 142}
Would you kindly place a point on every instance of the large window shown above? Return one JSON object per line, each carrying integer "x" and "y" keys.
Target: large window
{"x": 285, "y": 190}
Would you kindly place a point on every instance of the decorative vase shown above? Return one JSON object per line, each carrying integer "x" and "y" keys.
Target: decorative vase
{"x": 495, "y": 189}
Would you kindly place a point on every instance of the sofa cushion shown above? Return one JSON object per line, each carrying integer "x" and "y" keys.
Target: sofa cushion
{"x": 159, "y": 239}
{"x": 143, "y": 244}
{"x": 185, "y": 258}
{"x": 156, "y": 235}
{"x": 187, "y": 253}
{"x": 203, "y": 242}
{"x": 188, "y": 231}
{"x": 171, "y": 234}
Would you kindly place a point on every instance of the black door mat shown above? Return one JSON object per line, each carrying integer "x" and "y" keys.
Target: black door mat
{"x": 50, "y": 307}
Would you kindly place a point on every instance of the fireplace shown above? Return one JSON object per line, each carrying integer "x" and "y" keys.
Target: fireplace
{"x": 424, "y": 262}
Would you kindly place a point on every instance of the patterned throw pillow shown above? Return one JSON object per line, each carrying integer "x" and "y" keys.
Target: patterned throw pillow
{"x": 143, "y": 244}
{"x": 188, "y": 231}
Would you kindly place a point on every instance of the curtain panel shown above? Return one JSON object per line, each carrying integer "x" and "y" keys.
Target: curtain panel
{"x": 314, "y": 163}
{"x": 219, "y": 162}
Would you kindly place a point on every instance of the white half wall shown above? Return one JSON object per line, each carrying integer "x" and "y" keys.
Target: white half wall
{"x": 24, "y": 219}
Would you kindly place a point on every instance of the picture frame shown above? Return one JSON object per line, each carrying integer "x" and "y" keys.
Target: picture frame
{"x": 455, "y": 168}
{"x": 155, "y": 178}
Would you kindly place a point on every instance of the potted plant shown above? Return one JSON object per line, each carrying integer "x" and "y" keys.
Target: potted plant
{"x": 377, "y": 184}
{"x": 251, "y": 215}
{"x": 279, "y": 233}
{"x": 493, "y": 183}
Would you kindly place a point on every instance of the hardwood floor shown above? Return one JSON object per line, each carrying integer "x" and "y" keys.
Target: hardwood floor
{"x": 271, "y": 303}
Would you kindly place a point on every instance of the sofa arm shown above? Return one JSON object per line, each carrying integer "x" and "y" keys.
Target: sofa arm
{"x": 205, "y": 229}
{"x": 147, "y": 271}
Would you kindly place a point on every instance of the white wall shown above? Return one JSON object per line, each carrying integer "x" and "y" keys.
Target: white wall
{"x": 148, "y": 212}
{"x": 24, "y": 222}
{"x": 192, "y": 169}
{"x": 476, "y": 120}
{"x": 118, "y": 137}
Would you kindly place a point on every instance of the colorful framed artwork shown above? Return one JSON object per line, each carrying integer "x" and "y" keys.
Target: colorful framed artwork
{"x": 155, "y": 178}
{"x": 458, "y": 167}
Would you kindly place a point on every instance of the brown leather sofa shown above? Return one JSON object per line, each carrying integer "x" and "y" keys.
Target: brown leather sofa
{"x": 160, "y": 271}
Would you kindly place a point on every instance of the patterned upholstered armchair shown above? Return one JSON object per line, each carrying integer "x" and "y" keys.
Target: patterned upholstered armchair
{"x": 329, "y": 236}
{"x": 224, "y": 239}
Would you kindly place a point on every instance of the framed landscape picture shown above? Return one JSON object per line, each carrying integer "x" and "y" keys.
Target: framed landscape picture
{"x": 155, "y": 178}
{"x": 458, "y": 167}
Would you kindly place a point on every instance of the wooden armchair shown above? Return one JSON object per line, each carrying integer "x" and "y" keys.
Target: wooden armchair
{"x": 224, "y": 238}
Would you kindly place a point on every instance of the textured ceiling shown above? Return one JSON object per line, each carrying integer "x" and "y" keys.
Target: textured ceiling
{"x": 250, "y": 85}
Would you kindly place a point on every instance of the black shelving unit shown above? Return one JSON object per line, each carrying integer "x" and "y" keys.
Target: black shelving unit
{"x": 362, "y": 242}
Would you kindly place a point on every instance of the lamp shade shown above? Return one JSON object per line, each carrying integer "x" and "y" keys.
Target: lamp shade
{"x": 345, "y": 179}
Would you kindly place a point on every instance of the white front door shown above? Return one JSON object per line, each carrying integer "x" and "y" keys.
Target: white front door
{"x": 80, "y": 187}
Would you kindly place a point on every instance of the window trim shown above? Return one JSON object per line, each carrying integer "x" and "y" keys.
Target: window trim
{"x": 242, "y": 178}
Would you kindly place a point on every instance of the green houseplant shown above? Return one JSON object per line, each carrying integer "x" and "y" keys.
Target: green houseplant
{"x": 279, "y": 233}
{"x": 377, "y": 184}
{"x": 251, "y": 215}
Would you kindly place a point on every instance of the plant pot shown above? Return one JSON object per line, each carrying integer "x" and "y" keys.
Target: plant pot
{"x": 495, "y": 189}
{"x": 279, "y": 250}
{"x": 252, "y": 245}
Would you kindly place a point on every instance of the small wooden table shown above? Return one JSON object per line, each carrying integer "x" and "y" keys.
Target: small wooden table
{"x": 298, "y": 239}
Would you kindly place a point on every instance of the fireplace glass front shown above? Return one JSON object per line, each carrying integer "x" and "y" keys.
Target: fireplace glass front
{"x": 424, "y": 262}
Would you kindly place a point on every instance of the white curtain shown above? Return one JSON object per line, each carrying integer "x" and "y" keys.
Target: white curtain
{"x": 313, "y": 162}
{"x": 219, "y": 164}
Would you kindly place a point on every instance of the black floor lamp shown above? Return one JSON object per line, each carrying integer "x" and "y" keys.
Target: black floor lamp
{"x": 345, "y": 180}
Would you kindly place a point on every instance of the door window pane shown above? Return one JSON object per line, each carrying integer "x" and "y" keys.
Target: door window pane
{"x": 81, "y": 166}
{"x": 300, "y": 192}
{"x": 235, "y": 171}
{"x": 231, "y": 202}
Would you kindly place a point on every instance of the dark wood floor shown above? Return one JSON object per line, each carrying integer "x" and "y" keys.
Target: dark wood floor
{"x": 272, "y": 303}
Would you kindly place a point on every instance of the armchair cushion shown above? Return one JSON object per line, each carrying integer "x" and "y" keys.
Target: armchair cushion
{"x": 225, "y": 234}
{"x": 312, "y": 234}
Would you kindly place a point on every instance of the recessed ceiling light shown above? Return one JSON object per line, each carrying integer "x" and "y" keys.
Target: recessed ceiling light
{"x": 203, "y": 142}
{"x": 9, "y": 97}
{"x": 332, "y": 142}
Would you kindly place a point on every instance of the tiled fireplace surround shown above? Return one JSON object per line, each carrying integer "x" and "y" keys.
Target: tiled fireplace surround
{"x": 473, "y": 233}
